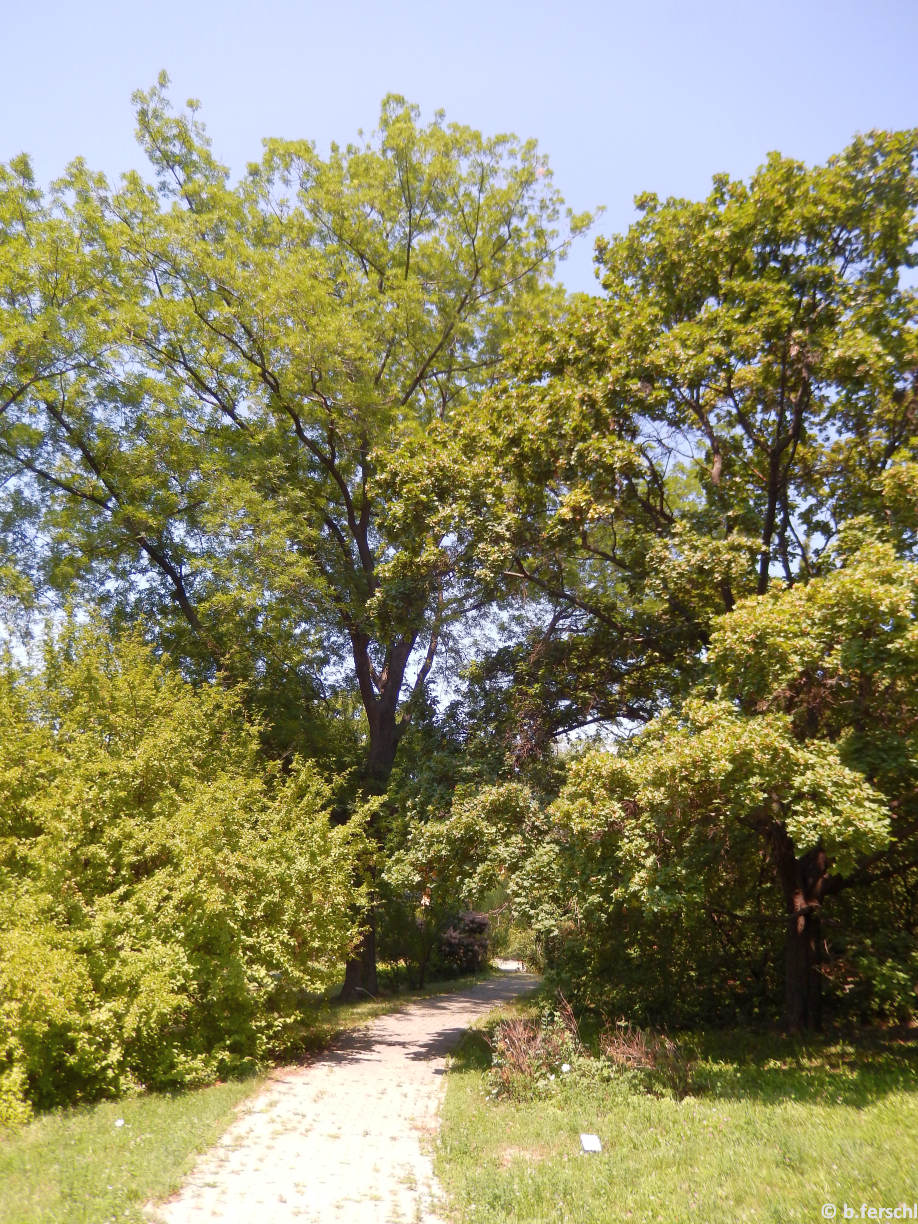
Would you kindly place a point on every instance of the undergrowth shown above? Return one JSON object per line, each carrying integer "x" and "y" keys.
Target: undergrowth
{"x": 721, "y": 1126}
{"x": 528, "y": 1055}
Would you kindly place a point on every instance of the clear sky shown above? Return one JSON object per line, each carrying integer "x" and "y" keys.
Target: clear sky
{"x": 624, "y": 97}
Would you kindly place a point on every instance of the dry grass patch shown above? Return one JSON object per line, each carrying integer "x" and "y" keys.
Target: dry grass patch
{"x": 508, "y": 1155}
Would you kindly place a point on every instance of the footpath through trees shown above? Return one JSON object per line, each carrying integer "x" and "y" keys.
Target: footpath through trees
{"x": 347, "y": 1137}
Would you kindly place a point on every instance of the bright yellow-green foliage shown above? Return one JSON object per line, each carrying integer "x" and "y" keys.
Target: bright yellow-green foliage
{"x": 743, "y": 386}
{"x": 690, "y": 781}
{"x": 239, "y": 408}
{"x": 167, "y": 904}
{"x": 465, "y": 854}
{"x": 660, "y": 849}
{"x": 839, "y": 654}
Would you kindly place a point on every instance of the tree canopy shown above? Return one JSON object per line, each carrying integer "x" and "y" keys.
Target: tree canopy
{"x": 699, "y": 469}
{"x": 235, "y": 408}
{"x": 746, "y": 383}
{"x": 312, "y": 428}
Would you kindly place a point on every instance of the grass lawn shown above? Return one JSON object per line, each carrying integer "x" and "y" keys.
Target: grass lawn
{"x": 100, "y": 1163}
{"x": 777, "y": 1129}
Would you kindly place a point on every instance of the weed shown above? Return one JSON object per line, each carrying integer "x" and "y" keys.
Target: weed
{"x": 656, "y": 1059}
{"x": 528, "y": 1055}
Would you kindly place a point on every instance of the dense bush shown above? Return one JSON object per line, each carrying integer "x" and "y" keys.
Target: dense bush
{"x": 464, "y": 946}
{"x": 431, "y": 946}
{"x": 664, "y": 887}
{"x": 442, "y": 863}
{"x": 167, "y": 903}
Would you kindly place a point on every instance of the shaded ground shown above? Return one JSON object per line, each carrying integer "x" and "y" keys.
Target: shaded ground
{"x": 344, "y": 1139}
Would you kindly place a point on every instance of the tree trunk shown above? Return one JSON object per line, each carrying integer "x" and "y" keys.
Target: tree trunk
{"x": 360, "y": 980}
{"x": 803, "y": 980}
{"x": 803, "y": 883}
{"x": 384, "y": 739}
{"x": 360, "y": 977}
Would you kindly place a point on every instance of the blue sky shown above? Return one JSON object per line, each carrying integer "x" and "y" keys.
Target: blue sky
{"x": 623, "y": 97}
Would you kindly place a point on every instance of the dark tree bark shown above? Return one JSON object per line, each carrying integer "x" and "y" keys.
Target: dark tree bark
{"x": 803, "y": 883}
{"x": 385, "y": 733}
{"x": 360, "y": 979}
{"x": 803, "y": 979}
{"x": 386, "y": 727}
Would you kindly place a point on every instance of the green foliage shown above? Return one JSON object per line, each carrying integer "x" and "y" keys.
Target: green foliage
{"x": 464, "y": 944}
{"x": 441, "y": 863}
{"x": 840, "y": 656}
{"x": 168, "y": 905}
{"x": 656, "y": 890}
{"x": 744, "y": 386}
{"x": 312, "y": 424}
{"x": 238, "y": 409}
{"x": 738, "y": 410}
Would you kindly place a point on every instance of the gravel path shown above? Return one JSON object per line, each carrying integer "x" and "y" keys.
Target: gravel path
{"x": 346, "y": 1138}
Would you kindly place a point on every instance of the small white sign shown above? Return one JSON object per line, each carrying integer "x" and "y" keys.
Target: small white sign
{"x": 590, "y": 1143}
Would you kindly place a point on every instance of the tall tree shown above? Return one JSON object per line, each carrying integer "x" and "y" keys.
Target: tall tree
{"x": 747, "y": 382}
{"x": 699, "y": 436}
{"x": 240, "y": 407}
{"x": 839, "y": 657}
{"x": 245, "y": 397}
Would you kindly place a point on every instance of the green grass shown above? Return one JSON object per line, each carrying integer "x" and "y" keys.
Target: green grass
{"x": 778, "y": 1129}
{"x": 80, "y": 1166}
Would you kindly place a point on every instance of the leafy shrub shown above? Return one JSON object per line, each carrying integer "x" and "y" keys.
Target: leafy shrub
{"x": 658, "y": 892}
{"x": 431, "y": 944}
{"x": 463, "y": 947}
{"x": 167, "y": 903}
{"x": 440, "y": 864}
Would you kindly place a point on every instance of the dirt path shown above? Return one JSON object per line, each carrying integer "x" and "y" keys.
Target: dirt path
{"x": 346, "y": 1138}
